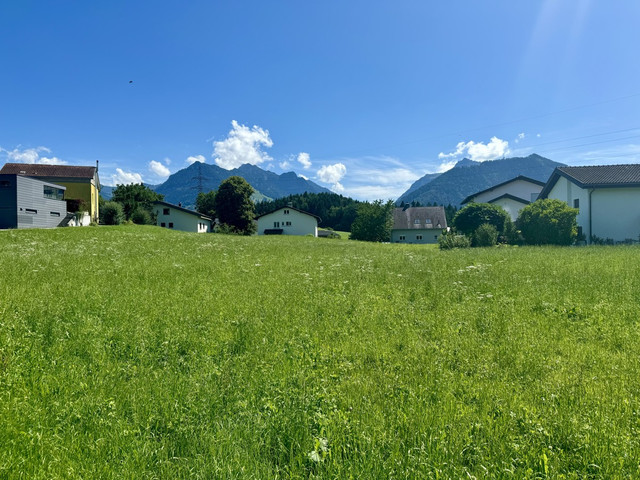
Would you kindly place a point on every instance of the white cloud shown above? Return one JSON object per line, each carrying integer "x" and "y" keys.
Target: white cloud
{"x": 304, "y": 160}
{"x": 32, "y": 155}
{"x": 519, "y": 137}
{"x": 444, "y": 166}
{"x": 159, "y": 169}
{"x": 306, "y": 178}
{"x": 167, "y": 161}
{"x": 285, "y": 165}
{"x": 333, "y": 174}
{"x": 125, "y": 178}
{"x": 195, "y": 158}
{"x": 479, "y": 152}
{"x": 242, "y": 145}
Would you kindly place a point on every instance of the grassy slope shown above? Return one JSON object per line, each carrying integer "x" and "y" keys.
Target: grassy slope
{"x": 140, "y": 352}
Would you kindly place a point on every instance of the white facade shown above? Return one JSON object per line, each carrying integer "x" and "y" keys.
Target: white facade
{"x": 512, "y": 195}
{"x": 604, "y": 212}
{"x": 179, "y": 218}
{"x": 290, "y": 221}
{"x": 510, "y": 205}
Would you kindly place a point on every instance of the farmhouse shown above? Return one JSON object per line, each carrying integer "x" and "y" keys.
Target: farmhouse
{"x": 82, "y": 183}
{"x": 511, "y": 195}
{"x": 607, "y": 198}
{"x": 418, "y": 224}
{"x": 288, "y": 221}
{"x": 31, "y": 203}
{"x": 180, "y": 218}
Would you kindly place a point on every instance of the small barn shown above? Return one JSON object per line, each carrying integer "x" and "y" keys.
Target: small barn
{"x": 177, "y": 217}
{"x": 31, "y": 203}
{"x": 288, "y": 221}
{"x": 418, "y": 224}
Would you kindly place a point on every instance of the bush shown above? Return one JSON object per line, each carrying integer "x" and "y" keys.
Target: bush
{"x": 448, "y": 241}
{"x": 548, "y": 222}
{"x": 485, "y": 235}
{"x": 472, "y": 216}
{"x": 140, "y": 216}
{"x": 111, "y": 213}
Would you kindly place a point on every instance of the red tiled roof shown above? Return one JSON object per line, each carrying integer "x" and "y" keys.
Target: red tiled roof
{"x": 39, "y": 170}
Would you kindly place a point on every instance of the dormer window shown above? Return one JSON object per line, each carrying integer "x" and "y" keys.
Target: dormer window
{"x": 416, "y": 221}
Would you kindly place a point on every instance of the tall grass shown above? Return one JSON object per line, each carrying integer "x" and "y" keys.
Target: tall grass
{"x": 137, "y": 352}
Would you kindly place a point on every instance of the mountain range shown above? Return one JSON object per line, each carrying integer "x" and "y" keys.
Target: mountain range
{"x": 468, "y": 177}
{"x": 448, "y": 188}
{"x": 184, "y": 185}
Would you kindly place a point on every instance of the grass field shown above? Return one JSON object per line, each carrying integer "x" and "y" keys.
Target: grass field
{"x": 139, "y": 352}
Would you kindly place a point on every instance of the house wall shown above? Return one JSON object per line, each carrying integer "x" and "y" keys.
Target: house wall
{"x": 511, "y": 206}
{"x": 23, "y": 204}
{"x": 568, "y": 192}
{"x": 181, "y": 220}
{"x": 81, "y": 189}
{"x": 519, "y": 188}
{"x": 301, "y": 223}
{"x": 615, "y": 213}
{"x": 8, "y": 202}
{"x": 429, "y": 235}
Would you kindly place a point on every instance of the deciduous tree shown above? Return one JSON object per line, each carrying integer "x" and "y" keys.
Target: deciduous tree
{"x": 234, "y": 207}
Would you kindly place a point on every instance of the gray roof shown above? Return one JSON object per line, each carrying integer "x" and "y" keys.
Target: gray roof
{"x": 596, "y": 176}
{"x": 405, "y": 219}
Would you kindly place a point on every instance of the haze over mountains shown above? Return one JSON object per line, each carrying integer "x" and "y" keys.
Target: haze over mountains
{"x": 450, "y": 187}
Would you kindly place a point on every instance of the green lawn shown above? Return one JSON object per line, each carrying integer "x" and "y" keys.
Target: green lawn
{"x": 139, "y": 352}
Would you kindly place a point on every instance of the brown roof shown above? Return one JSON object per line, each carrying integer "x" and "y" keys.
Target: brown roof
{"x": 39, "y": 170}
{"x": 404, "y": 219}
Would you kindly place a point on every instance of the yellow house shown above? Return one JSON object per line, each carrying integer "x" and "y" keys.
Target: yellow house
{"x": 82, "y": 183}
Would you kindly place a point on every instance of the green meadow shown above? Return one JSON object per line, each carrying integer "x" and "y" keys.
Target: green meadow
{"x": 139, "y": 352}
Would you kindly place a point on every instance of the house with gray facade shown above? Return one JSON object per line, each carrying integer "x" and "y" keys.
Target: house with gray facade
{"x": 30, "y": 203}
{"x": 418, "y": 224}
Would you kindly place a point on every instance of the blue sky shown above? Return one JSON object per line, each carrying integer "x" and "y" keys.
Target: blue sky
{"x": 362, "y": 97}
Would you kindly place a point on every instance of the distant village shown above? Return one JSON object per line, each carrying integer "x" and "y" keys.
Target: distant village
{"x": 607, "y": 199}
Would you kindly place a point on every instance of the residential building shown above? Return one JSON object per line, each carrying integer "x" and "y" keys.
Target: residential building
{"x": 607, "y": 198}
{"x": 81, "y": 183}
{"x": 418, "y": 224}
{"x": 31, "y": 203}
{"x": 180, "y": 218}
{"x": 511, "y": 195}
{"x": 288, "y": 221}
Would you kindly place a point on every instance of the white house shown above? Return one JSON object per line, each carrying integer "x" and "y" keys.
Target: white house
{"x": 511, "y": 195}
{"x": 418, "y": 224}
{"x": 288, "y": 221}
{"x": 180, "y": 218}
{"x": 607, "y": 198}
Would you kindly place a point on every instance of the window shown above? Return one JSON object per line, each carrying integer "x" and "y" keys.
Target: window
{"x": 31, "y": 211}
{"x": 288, "y": 224}
{"x": 428, "y": 220}
{"x": 576, "y": 203}
{"x": 286, "y": 212}
{"x": 435, "y": 237}
{"x": 54, "y": 214}
{"x": 170, "y": 224}
{"x": 163, "y": 224}
{"x": 165, "y": 211}
{"x": 276, "y": 224}
{"x": 417, "y": 221}
{"x": 402, "y": 237}
{"x": 53, "y": 192}
{"x": 418, "y": 237}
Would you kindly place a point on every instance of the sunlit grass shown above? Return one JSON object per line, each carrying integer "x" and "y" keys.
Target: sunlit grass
{"x": 139, "y": 352}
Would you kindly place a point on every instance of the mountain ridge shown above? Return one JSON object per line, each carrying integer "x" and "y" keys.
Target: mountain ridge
{"x": 468, "y": 177}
